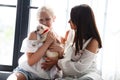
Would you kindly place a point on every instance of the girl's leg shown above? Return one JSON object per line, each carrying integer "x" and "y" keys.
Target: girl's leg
{"x": 16, "y": 76}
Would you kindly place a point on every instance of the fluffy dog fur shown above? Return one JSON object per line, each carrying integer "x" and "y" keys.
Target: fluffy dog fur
{"x": 42, "y": 32}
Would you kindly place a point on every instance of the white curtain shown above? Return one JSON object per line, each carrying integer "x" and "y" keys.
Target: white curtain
{"x": 107, "y": 15}
{"x": 111, "y": 42}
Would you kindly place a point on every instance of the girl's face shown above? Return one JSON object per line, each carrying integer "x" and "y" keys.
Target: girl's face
{"x": 73, "y": 26}
{"x": 46, "y": 19}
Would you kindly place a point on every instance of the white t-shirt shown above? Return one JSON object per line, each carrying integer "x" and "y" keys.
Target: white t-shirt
{"x": 36, "y": 68}
{"x": 27, "y": 46}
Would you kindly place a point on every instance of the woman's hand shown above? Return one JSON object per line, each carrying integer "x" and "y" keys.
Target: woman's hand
{"x": 49, "y": 63}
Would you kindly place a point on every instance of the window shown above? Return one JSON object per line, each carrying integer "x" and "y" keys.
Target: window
{"x": 13, "y": 29}
{"x": 7, "y": 30}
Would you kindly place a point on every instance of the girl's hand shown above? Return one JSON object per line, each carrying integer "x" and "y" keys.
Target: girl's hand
{"x": 50, "y": 38}
{"x": 49, "y": 63}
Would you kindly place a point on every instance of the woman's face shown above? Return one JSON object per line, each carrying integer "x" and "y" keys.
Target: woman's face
{"x": 46, "y": 19}
{"x": 73, "y": 26}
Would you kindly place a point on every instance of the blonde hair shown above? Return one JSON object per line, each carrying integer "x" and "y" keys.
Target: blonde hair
{"x": 46, "y": 9}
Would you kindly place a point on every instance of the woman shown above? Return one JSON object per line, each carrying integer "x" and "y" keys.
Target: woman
{"x": 79, "y": 60}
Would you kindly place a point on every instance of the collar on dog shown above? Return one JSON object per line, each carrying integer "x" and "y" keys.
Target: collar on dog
{"x": 45, "y": 31}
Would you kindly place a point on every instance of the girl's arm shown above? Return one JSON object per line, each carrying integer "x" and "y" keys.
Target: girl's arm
{"x": 35, "y": 57}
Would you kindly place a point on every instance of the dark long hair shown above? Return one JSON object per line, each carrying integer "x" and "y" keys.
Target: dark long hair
{"x": 83, "y": 17}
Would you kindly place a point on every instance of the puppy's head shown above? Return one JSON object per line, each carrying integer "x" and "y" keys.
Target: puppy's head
{"x": 42, "y": 29}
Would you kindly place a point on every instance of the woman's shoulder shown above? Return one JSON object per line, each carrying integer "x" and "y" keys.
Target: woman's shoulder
{"x": 92, "y": 45}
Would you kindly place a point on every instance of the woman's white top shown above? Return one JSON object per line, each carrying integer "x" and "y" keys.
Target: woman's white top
{"x": 79, "y": 65}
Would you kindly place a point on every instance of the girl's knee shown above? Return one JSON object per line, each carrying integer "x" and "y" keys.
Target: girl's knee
{"x": 17, "y": 76}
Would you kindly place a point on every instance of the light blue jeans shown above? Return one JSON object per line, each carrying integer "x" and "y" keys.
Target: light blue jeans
{"x": 28, "y": 75}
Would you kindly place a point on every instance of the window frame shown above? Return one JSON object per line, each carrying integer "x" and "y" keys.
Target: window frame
{"x": 21, "y": 30}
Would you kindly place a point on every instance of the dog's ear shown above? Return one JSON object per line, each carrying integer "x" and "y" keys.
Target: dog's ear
{"x": 37, "y": 29}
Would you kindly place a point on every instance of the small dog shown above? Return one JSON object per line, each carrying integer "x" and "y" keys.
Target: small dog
{"x": 42, "y": 32}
